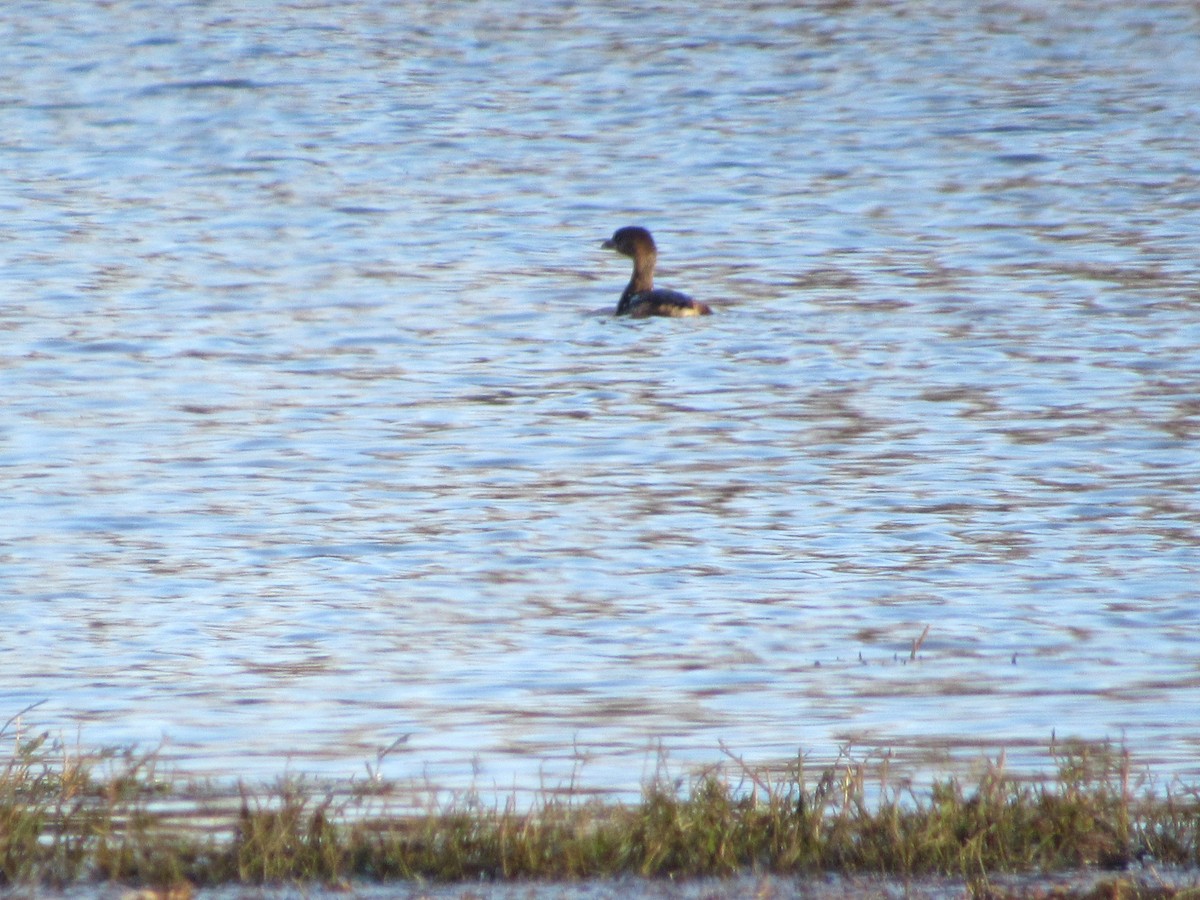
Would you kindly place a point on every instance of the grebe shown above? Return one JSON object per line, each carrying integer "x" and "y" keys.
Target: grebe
{"x": 641, "y": 298}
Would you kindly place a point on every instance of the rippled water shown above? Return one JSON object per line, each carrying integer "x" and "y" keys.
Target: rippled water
{"x": 318, "y": 432}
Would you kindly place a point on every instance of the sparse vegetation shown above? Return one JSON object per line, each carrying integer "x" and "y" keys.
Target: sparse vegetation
{"x": 66, "y": 817}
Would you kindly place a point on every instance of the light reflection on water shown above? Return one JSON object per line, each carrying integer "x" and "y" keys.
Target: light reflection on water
{"x": 318, "y": 431}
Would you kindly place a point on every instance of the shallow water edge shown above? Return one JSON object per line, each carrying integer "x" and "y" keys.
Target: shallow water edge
{"x": 1150, "y": 883}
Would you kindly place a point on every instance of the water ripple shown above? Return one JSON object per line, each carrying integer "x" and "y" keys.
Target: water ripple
{"x": 318, "y": 431}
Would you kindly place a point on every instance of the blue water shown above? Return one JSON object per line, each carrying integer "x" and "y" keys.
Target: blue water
{"x": 317, "y": 431}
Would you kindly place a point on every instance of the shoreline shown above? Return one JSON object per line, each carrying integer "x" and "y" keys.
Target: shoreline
{"x": 75, "y": 817}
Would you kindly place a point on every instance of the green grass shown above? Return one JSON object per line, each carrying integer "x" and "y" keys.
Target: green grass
{"x": 111, "y": 816}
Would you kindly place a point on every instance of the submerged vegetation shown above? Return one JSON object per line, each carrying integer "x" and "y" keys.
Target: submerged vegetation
{"x": 66, "y": 817}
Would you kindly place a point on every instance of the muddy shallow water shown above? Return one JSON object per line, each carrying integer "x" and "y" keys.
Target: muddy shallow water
{"x": 832, "y": 887}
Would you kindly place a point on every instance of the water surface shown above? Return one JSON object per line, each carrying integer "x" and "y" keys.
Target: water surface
{"x": 318, "y": 432}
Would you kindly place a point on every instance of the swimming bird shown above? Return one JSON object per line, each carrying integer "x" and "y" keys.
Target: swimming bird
{"x": 641, "y": 298}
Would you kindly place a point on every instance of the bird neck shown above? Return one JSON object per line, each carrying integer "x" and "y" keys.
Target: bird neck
{"x": 643, "y": 273}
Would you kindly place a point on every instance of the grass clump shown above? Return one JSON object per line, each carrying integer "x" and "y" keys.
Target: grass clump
{"x": 110, "y": 816}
